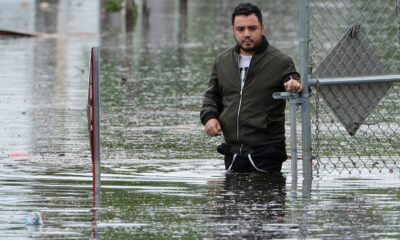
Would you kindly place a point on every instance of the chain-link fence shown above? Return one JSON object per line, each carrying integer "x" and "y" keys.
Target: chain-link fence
{"x": 355, "y": 122}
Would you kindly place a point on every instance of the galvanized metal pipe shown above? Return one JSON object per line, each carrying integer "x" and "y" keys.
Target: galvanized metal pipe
{"x": 355, "y": 80}
{"x": 293, "y": 142}
{"x": 305, "y": 105}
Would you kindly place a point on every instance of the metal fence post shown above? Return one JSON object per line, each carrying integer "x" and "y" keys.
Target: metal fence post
{"x": 305, "y": 105}
{"x": 294, "y": 100}
{"x": 96, "y": 80}
{"x": 293, "y": 141}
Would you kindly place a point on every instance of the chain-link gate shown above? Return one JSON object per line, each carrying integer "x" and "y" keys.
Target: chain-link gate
{"x": 354, "y": 61}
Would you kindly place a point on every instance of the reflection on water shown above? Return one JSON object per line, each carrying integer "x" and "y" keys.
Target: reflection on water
{"x": 162, "y": 177}
{"x": 247, "y": 206}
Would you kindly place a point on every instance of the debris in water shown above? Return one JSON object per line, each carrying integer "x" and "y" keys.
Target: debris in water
{"x": 33, "y": 219}
{"x": 12, "y": 155}
{"x": 16, "y": 154}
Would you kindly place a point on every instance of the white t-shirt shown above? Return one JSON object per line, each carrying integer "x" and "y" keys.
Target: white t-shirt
{"x": 244, "y": 63}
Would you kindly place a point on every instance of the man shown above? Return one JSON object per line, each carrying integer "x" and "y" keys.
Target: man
{"x": 238, "y": 102}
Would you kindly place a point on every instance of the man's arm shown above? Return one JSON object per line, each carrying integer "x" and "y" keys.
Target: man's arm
{"x": 291, "y": 78}
{"x": 211, "y": 106}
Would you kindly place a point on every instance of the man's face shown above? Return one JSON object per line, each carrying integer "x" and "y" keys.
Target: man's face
{"x": 248, "y": 33}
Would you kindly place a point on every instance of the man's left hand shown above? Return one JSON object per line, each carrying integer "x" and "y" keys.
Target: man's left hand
{"x": 293, "y": 86}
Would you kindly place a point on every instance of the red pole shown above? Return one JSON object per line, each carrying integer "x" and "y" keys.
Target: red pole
{"x": 92, "y": 130}
{"x": 93, "y": 122}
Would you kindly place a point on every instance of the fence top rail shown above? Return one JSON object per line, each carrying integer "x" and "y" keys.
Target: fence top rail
{"x": 355, "y": 80}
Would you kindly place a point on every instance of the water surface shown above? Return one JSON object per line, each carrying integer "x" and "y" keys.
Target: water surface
{"x": 161, "y": 176}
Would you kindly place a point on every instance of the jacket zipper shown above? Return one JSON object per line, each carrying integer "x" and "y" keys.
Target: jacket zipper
{"x": 240, "y": 102}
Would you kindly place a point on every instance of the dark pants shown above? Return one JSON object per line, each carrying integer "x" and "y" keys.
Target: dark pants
{"x": 267, "y": 158}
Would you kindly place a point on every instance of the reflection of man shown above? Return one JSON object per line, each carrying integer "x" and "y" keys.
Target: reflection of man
{"x": 238, "y": 102}
{"x": 246, "y": 206}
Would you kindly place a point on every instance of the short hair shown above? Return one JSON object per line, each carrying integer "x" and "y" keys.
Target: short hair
{"x": 247, "y": 9}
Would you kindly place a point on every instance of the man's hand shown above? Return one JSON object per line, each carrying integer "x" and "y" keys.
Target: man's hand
{"x": 213, "y": 128}
{"x": 293, "y": 85}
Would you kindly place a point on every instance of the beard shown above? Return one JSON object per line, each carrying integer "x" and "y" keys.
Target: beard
{"x": 247, "y": 47}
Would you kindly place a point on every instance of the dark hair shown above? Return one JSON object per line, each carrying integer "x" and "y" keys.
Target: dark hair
{"x": 246, "y": 9}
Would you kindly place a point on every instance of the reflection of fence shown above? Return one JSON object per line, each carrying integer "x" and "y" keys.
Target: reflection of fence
{"x": 351, "y": 58}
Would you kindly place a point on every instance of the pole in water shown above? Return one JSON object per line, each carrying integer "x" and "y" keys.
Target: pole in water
{"x": 93, "y": 110}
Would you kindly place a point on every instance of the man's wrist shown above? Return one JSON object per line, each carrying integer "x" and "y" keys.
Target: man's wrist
{"x": 208, "y": 116}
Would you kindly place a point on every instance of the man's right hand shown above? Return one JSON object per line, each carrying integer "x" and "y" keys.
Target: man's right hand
{"x": 213, "y": 128}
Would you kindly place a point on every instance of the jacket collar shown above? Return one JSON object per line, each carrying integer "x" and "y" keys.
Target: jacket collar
{"x": 263, "y": 46}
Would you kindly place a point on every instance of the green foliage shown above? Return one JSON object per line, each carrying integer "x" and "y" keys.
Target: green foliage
{"x": 113, "y": 5}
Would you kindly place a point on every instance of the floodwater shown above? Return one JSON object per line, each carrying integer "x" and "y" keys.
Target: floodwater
{"x": 161, "y": 176}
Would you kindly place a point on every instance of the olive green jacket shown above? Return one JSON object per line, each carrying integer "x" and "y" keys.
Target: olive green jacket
{"x": 249, "y": 117}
